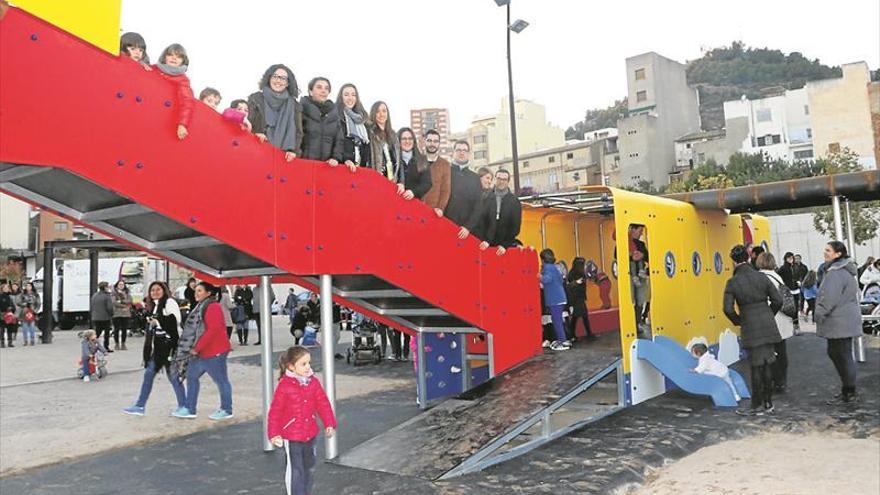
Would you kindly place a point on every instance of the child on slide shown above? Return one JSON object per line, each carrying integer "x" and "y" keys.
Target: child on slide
{"x": 708, "y": 365}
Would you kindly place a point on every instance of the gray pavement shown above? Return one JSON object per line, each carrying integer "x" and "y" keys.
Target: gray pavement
{"x": 610, "y": 455}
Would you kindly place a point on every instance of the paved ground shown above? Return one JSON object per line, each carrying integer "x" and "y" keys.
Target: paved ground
{"x": 619, "y": 453}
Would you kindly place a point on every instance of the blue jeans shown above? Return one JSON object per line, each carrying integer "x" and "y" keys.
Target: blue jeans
{"x": 215, "y": 367}
{"x": 29, "y": 330}
{"x": 558, "y": 323}
{"x": 150, "y": 373}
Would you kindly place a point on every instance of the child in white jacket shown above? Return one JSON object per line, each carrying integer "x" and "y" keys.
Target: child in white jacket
{"x": 708, "y": 365}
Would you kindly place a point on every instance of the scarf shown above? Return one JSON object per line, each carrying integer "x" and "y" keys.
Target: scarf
{"x": 172, "y": 70}
{"x": 499, "y": 196}
{"x": 406, "y": 155}
{"x": 193, "y": 329}
{"x": 354, "y": 123}
{"x": 303, "y": 380}
{"x": 280, "y": 124}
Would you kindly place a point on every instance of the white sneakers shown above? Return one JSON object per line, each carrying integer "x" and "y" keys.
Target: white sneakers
{"x": 560, "y": 346}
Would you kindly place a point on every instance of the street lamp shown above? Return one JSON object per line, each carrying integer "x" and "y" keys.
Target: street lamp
{"x": 517, "y": 27}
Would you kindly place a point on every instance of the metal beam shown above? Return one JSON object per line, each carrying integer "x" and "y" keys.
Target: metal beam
{"x": 369, "y": 294}
{"x": 185, "y": 243}
{"x": 20, "y": 172}
{"x": 328, "y": 348}
{"x": 448, "y": 330}
{"x": 250, "y": 272}
{"x": 266, "y": 357}
{"x": 114, "y": 212}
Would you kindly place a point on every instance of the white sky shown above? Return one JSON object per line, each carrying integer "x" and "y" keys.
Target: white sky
{"x": 451, "y": 53}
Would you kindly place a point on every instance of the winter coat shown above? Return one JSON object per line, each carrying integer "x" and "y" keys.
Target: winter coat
{"x": 214, "y": 340}
{"x": 464, "y": 196}
{"x": 6, "y": 302}
{"x": 22, "y": 301}
{"x": 377, "y": 156}
{"x": 419, "y": 182}
{"x": 783, "y": 321}
{"x": 258, "y": 120}
{"x": 190, "y": 295}
{"x": 577, "y": 294}
{"x": 348, "y": 150}
{"x": 554, "y": 289}
{"x": 838, "y": 314}
{"x": 498, "y": 228}
{"x": 102, "y": 306}
{"x": 293, "y": 409}
{"x": 438, "y": 195}
{"x": 161, "y": 341}
{"x": 226, "y": 305}
{"x": 321, "y": 130}
{"x": 869, "y": 276}
{"x": 799, "y": 271}
{"x": 257, "y": 299}
{"x": 185, "y": 98}
{"x": 751, "y": 290}
{"x": 787, "y": 272}
{"x": 121, "y": 304}
{"x": 244, "y": 297}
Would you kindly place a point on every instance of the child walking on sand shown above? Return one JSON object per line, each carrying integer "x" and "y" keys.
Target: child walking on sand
{"x": 292, "y": 423}
{"x": 708, "y": 365}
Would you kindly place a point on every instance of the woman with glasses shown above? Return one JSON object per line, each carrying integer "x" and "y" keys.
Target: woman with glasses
{"x": 274, "y": 111}
{"x": 417, "y": 174}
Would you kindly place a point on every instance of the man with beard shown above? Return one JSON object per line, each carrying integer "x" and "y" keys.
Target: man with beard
{"x": 438, "y": 196}
{"x": 465, "y": 190}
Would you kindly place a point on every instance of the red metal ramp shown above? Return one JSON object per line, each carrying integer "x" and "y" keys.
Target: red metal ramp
{"x": 92, "y": 137}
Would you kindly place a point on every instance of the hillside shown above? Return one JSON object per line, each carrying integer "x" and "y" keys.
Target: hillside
{"x": 723, "y": 74}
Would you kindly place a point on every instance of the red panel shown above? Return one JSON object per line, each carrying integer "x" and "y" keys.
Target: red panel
{"x": 69, "y": 105}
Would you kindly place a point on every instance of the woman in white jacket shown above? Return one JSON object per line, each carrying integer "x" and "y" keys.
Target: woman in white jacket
{"x": 766, "y": 263}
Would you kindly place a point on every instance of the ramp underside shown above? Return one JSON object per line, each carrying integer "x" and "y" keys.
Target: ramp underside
{"x": 440, "y": 439}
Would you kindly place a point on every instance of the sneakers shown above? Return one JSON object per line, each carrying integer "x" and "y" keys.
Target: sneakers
{"x": 134, "y": 410}
{"x": 560, "y": 346}
{"x": 183, "y": 413}
{"x": 843, "y": 399}
{"x": 86, "y": 379}
{"x": 545, "y": 344}
{"x": 751, "y": 412}
{"x": 768, "y": 408}
{"x": 219, "y": 415}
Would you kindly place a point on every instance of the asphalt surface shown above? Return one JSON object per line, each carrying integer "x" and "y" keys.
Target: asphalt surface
{"x": 603, "y": 457}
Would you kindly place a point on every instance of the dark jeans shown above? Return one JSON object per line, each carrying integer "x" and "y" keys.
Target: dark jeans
{"x": 585, "y": 317}
{"x": 241, "y": 329}
{"x": 120, "y": 325}
{"x": 103, "y": 327}
{"x": 762, "y": 385}
{"x": 383, "y": 333}
{"x": 399, "y": 344}
{"x": 558, "y": 326}
{"x": 301, "y": 458}
{"x": 215, "y": 367}
{"x": 840, "y": 352}
{"x": 150, "y": 373}
{"x": 780, "y": 366}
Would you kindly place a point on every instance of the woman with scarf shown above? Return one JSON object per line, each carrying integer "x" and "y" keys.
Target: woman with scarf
{"x": 274, "y": 112}
{"x": 172, "y": 66}
{"x": 356, "y": 139}
{"x": 385, "y": 149}
{"x": 203, "y": 348}
{"x": 160, "y": 340}
{"x": 416, "y": 173}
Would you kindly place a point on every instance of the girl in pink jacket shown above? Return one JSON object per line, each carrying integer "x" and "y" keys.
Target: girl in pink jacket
{"x": 292, "y": 423}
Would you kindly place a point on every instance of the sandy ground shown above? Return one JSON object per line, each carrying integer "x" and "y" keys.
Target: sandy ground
{"x": 62, "y": 418}
{"x": 774, "y": 464}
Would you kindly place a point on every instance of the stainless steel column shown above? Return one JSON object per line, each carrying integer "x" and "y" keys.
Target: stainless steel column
{"x": 328, "y": 348}
{"x": 858, "y": 342}
{"x": 838, "y": 226}
{"x": 266, "y": 356}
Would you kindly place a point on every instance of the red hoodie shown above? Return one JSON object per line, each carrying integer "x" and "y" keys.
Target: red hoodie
{"x": 214, "y": 341}
{"x": 292, "y": 414}
{"x": 185, "y": 98}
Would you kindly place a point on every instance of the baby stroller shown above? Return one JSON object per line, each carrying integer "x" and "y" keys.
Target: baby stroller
{"x": 97, "y": 366}
{"x": 364, "y": 347}
{"x": 870, "y": 306}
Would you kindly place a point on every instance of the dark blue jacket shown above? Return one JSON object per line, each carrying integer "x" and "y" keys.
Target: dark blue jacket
{"x": 554, "y": 288}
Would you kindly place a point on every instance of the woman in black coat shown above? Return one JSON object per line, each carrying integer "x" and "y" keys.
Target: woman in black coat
{"x": 758, "y": 301}
{"x": 274, "y": 112}
{"x": 417, "y": 174}
{"x": 576, "y": 287}
{"x": 355, "y": 137}
{"x": 321, "y": 124}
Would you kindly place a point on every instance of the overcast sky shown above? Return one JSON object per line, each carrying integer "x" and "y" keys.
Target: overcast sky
{"x": 451, "y": 53}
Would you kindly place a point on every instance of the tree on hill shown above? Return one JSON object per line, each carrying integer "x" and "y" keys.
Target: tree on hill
{"x": 597, "y": 118}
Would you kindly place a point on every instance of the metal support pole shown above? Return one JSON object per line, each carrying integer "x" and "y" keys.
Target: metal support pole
{"x": 266, "y": 356}
{"x": 328, "y": 348}
{"x": 851, "y": 239}
{"x": 421, "y": 377}
{"x": 838, "y": 227}
{"x": 93, "y": 279}
{"x": 512, "y": 108}
{"x": 48, "y": 287}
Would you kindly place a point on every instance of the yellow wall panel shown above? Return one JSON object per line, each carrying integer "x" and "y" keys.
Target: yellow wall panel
{"x": 95, "y": 21}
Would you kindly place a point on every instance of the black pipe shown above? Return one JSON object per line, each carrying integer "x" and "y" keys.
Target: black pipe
{"x": 48, "y": 283}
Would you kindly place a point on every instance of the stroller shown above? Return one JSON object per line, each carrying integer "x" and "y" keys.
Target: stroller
{"x": 364, "y": 348}
{"x": 870, "y": 306}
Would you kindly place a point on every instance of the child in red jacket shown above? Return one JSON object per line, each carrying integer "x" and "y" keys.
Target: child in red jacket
{"x": 292, "y": 424}
{"x": 172, "y": 66}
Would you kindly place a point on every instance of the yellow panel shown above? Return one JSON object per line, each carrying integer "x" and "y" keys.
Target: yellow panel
{"x": 595, "y": 243}
{"x": 95, "y": 21}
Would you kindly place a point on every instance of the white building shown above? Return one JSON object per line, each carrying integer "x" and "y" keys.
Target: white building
{"x": 14, "y": 223}
{"x": 778, "y": 126}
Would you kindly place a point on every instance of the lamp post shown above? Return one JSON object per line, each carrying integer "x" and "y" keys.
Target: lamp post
{"x": 516, "y": 27}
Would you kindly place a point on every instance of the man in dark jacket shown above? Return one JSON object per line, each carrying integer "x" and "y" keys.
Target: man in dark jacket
{"x": 501, "y": 216}
{"x": 322, "y": 135}
{"x": 758, "y": 300}
{"x": 791, "y": 277}
{"x": 101, "y": 309}
{"x": 465, "y": 190}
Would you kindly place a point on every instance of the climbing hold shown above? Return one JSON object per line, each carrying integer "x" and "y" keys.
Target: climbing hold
{"x": 139, "y": 165}
{"x": 34, "y": 37}
{"x": 120, "y": 163}
{"x": 269, "y": 235}
{"x": 138, "y": 99}
{"x": 283, "y": 179}
{"x": 168, "y": 103}
{"x": 235, "y": 142}
{"x": 120, "y": 94}
{"x": 268, "y": 176}
{"x": 193, "y": 219}
{"x": 283, "y": 237}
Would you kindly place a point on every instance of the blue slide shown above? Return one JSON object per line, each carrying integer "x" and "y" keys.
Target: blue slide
{"x": 675, "y": 363}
